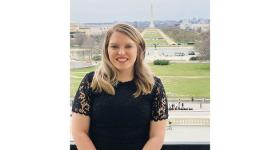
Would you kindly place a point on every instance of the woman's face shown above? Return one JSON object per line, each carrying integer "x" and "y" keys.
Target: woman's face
{"x": 122, "y": 51}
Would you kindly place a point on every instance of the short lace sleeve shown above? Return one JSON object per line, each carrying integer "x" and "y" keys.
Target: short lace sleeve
{"x": 82, "y": 102}
{"x": 159, "y": 104}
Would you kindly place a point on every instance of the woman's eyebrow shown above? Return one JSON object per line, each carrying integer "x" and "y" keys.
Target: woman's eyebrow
{"x": 125, "y": 43}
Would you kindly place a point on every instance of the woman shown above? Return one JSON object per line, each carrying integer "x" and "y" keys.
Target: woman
{"x": 120, "y": 106}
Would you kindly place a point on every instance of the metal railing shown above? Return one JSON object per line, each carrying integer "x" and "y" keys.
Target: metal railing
{"x": 174, "y": 147}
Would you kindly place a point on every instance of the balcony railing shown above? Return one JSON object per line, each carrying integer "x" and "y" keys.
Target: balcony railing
{"x": 185, "y": 130}
{"x": 175, "y": 147}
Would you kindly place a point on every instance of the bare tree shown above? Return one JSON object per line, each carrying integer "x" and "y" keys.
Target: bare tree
{"x": 203, "y": 45}
{"x": 94, "y": 43}
{"x": 77, "y": 39}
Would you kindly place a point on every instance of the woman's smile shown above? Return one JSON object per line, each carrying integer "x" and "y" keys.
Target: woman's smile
{"x": 122, "y": 59}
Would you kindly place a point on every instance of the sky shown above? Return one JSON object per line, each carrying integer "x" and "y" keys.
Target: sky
{"x": 98, "y": 11}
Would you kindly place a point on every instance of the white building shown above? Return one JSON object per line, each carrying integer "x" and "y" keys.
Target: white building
{"x": 198, "y": 27}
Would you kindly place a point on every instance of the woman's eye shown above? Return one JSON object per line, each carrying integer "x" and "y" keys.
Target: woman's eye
{"x": 114, "y": 47}
{"x": 129, "y": 46}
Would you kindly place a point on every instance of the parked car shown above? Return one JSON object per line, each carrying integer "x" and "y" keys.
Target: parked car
{"x": 191, "y": 53}
{"x": 179, "y": 54}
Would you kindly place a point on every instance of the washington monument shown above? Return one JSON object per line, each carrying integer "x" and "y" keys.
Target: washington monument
{"x": 152, "y": 25}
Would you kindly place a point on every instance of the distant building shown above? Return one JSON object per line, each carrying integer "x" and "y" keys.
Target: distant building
{"x": 200, "y": 27}
{"x": 185, "y": 25}
{"x": 98, "y": 28}
{"x": 74, "y": 27}
{"x": 75, "y": 31}
{"x": 194, "y": 24}
{"x": 152, "y": 25}
{"x": 89, "y": 28}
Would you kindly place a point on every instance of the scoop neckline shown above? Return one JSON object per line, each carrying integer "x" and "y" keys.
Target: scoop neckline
{"x": 125, "y": 82}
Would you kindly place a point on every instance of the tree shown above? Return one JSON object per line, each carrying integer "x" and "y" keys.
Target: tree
{"x": 92, "y": 44}
{"x": 203, "y": 45}
{"x": 77, "y": 39}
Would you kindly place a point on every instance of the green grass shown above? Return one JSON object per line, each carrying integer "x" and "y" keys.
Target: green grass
{"x": 159, "y": 43}
{"x": 181, "y": 70}
{"x": 152, "y": 37}
{"x": 186, "y": 87}
{"x": 180, "y": 80}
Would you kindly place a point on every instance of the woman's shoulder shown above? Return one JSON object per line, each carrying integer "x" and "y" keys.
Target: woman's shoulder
{"x": 89, "y": 76}
{"x": 157, "y": 83}
{"x": 157, "y": 80}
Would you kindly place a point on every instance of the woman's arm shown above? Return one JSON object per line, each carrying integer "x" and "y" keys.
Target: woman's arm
{"x": 80, "y": 127}
{"x": 157, "y": 132}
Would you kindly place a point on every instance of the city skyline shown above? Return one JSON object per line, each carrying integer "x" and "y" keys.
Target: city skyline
{"x": 97, "y": 11}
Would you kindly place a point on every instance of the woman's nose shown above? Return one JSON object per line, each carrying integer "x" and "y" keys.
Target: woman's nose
{"x": 121, "y": 51}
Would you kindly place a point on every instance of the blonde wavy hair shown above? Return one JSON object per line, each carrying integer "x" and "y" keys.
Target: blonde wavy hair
{"x": 106, "y": 74}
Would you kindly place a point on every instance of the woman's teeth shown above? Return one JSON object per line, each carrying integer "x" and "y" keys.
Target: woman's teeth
{"x": 122, "y": 59}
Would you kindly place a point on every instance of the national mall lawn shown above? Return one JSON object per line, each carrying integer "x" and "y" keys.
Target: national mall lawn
{"x": 181, "y": 80}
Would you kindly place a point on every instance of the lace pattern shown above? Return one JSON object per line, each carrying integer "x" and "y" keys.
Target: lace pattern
{"x": 159, "y": 105}
{"x": 81, "y": 103}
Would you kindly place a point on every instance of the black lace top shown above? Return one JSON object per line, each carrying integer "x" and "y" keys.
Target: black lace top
{"x": 120, "y": 121}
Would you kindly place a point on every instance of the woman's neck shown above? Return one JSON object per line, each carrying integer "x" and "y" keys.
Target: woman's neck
{"x": 125, "y": 76}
